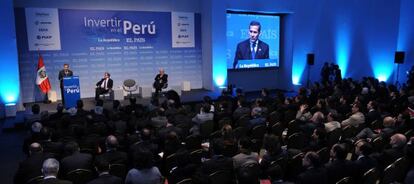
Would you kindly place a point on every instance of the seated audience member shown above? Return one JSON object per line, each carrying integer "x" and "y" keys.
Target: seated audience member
{"x": 356, "y": 119}
{"x": 31, "y": 166}
{"x": 159, "y": 120}
{"x": 364, "y": 162}
{"x": 318, "y": 140}
{"x": 246, "y": 156}
{"x": 338, "y": 167}
{"x": 102, "y": 167}
{"x": 332, "y": 122}
{"x": 203, "y": 116}
{"x": 34, "y": 116}
{"x": 257, "y": 118}
{"x": 184, "y": 169}
{"x": 217, "y": 162}
{"x": 385, "y": 133}
{"x": 388, "y": 156}
{"x": 50, "y": 170}
{"x": 372, "y": 114}
{"x": 314, "y": 173}
{"x": 410, "y": 155}
{"x": 75, "y": 159}
{"x": 274, "y": 151}
{"x": 104, "y": 85}
{"x": 33, "y": 137}
{"x": 112, "y": 155}
{"x": 303, "y": 114}
{"x": 160, "y": 81}
{"x": 241, "y": 110}
{"x": 144, "y": 171}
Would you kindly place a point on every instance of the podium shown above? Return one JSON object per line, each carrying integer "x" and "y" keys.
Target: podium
{"x": 71, "y": 91}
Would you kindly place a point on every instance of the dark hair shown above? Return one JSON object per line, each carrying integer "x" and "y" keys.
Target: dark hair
{"x": 71, "y": 147}
{"x": 245, "y": 143}
{"x": 340, "y": 151}
{"x": 217, "y": 146}
{"x": 143, "y": 159}
{"x": 255, "y": 23}
{"x": 206, "y": 108}
{"x": 35, "y": 109}
{"x": 366, "y": 148}
{"x": 101, "y": 164}
{"x": 79, "y": 104}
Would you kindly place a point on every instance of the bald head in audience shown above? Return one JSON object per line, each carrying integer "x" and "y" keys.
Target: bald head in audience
{"x": 398, "y": 140}
{"x": 35, "y": 148}
{"x": 50, "y": 167}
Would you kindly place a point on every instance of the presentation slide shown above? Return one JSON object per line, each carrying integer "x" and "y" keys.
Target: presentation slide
{"x": 253, "y": 40}
{"x": 127, "y": 44}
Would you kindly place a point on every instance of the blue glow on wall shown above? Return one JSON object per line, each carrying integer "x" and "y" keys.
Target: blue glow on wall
{"x": 9, "y": 71}
{"x": 342, "y": 43}
{"x": 298, "y": 67}
{"x": 382, "y": 65}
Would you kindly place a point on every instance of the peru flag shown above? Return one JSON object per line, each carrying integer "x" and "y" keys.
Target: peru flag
{"x": 42, "y": 80}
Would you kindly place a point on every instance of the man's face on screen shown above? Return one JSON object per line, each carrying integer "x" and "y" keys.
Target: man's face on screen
{"x": 254, "y": 33}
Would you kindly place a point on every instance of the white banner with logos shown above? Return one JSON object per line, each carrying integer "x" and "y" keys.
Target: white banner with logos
{"x": 43, "y": 29}
{"x": 182, "y": 26}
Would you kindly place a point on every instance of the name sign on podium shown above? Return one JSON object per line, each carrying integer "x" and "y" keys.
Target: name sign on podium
{"x": 257, "y": 63}
{"x": 71, "y": 91}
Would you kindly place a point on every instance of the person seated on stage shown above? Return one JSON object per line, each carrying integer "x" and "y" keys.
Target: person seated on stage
{"x": 161, "y": 81}
{"x": 104, "y": 85}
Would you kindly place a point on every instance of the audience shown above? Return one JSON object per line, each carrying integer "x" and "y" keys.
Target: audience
{"x": 141, "y": 138}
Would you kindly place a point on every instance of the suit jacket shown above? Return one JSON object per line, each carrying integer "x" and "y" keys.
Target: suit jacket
{"x": 62, "y": 74}
{"x": 362, "y": 165}
{"x": 313, "y": 175}
{"x": 160, "y": 81}
{"x": 339, "y": 169}
{"x": 55, "y": 181}
{"x": 243, "y": 51}
{"x": 106, "y": 179}
{"x": 76, "y": 161}
{"x": 109, "y": 85}
{"x": 115, "y": 157}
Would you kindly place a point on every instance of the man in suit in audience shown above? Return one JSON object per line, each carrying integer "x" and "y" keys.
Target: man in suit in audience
{"x": 75, "y": 160}
{"x": 218, "y": 161}
{"x": 65, "y": 72}
{"x": 31, "y": 166}
{"x": 372, "y": 114}
{"x": 50, "y": 171}
{"x": 102, "y": 167}
{"x": 112, "y": 155}
{"x": 252, "y": 48}
{"x": 388, "y": 156}
{"x": 364, "y": 162}
{"x": 104, "y": 86}
{"x": 338, "y": 167}
{"x": 314, "y": 173}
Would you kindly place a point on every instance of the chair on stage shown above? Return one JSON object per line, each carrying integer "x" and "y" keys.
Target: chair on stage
{"x": 130, "y": 86}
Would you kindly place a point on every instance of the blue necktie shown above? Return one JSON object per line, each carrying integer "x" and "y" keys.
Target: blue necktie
{"x": 253, "y": 52}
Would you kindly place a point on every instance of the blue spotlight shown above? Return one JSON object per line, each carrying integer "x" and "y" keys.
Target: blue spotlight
{"x": 298, "y": 67}
{"x": 382, "y": 65}
{"x": 342, "y": 44}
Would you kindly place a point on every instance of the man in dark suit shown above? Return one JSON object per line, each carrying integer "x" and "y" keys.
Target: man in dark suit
{"x": 112, "y": 155}
{"x": 314, "y": 172}
{"x": 50, "y": 171}
{"x": 252, "y": 48}
{"x": 31, "y": 167}
{"x": 364, "y": 162}
{"x": 64, "y": 73}
{"x": 102, "y": 166}
{"x": 339, "y": 167}
{"x": 75, "y": 160}
{"x": 104, "y": 86}
{"x": 161, "y": 81}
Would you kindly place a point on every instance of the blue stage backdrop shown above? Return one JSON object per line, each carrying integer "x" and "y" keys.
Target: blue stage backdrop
{"x": 127, "y": 44}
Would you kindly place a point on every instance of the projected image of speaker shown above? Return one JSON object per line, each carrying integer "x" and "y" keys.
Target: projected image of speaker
{"x": 310, "y": 59}
{"x": 399, "y": 57}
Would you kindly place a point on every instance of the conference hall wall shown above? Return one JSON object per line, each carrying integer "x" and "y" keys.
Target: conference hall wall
{"x": 129, "y": 44}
